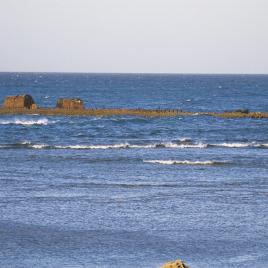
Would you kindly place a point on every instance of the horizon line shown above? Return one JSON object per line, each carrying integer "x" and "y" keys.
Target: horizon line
{"x": 127, "y": 73}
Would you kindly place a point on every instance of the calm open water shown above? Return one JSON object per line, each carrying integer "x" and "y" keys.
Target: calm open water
{"x": 127, "y": 191}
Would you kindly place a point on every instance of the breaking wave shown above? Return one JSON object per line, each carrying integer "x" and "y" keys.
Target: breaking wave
{"x": 182, "y": 145}
{"x": 38, "y": 146}
{"x": 185, "y": 140}
{"x": 103, "y": 147}
{"x": 172, "y": 145}
{"x": 27, "y": 144}
{"x": 239, "y": 145}
{"x": 26, "y": 122}
{"x": 233, "y": 145}
{"x": 184, "y": 162}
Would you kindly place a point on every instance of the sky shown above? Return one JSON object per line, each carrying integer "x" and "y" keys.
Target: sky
{"x": 137, "y": 36}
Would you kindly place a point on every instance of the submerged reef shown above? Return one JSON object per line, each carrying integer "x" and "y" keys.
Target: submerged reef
{"x": 24, "y": 104}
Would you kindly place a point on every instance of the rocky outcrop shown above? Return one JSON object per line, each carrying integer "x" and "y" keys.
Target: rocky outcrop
{"x": 19, "y": 102}
{"x": 175, "y": 264}
{"x": 25, "y": 104}
{"x": 70, "y": 104}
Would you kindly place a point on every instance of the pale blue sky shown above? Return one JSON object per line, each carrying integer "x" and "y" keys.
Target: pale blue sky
{"x": 170, "y": 36}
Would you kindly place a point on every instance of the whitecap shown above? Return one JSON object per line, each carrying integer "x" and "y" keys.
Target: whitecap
{"x": 28, "y": 144}
{"x": 183, "y": 162}
{"x": 26, "y": 122}
{"x": 182, "y": 146}
{"x": 131, "y": 146}
{"x": 103, "y": 147}
{"x": 184, "y": 139}
{"x": 233, "y": 145}
{"x": 38, "y": 146}
{"x": 142, "y": 146}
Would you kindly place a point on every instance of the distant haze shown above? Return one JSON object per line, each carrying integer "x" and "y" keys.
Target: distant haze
{"x": 152, "y": 36}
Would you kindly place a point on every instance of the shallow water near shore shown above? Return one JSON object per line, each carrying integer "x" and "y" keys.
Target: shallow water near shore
{"x": 126, "y": 191}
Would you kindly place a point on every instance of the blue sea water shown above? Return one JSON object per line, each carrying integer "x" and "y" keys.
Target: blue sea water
{"x": 126, "y": 191}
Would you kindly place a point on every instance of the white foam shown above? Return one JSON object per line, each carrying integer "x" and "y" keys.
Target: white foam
{"x": 182, "y": 162}
{"x": 240, "y": 145}
{"x": 234, "y": 145}
{"x": 182, "y": 146}
{"x": 35, "y": 146}
{"x": 184, "y": 139}
{"x": 142, "y": 146}
{"x": 131, "y": 146}
{"x": 167, "y": 145}
{"x": 25, "y": 122}
{"x": 103, "y": 147}
{"x": 38, "y": 146}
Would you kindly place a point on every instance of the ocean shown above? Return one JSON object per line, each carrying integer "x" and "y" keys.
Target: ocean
{"x": 126, "y": 191}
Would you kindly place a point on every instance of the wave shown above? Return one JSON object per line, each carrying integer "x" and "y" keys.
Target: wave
{"x": 184, "y": 162}
{"x": 28, "y": 144}
{"x": 184, "y": 140}
{"x": 24, "y": 145}
{"x": 168, "y": 145}
{"x": 38, "y": 146}
{"x": 187, "y": 143}
{"x": 182, "y": 145}
{"x": 103, "y": 147}
{"x": 128, "y": 146}
{"x": 26, "y": 122}
{"x": 239, "y": 145}
{"x": 233, "y": 145}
